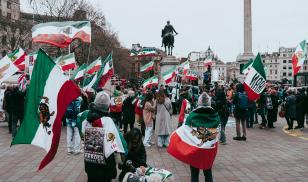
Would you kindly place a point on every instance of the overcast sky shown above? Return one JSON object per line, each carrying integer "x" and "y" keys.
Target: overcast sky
{"x": 203, "y": 23}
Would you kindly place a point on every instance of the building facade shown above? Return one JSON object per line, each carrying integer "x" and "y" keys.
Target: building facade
{"x": 197, "y": 63}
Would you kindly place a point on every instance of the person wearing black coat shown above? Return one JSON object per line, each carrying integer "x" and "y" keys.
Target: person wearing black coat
{"x": 136, "y": 153}
{"x": 300, "y": 108}
{"x": 129, "y": 111}
{"x": 272, "y": 113}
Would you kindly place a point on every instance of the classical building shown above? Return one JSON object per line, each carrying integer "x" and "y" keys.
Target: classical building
{"x": 197, "y": 63}
{"x": 233, "y": 71}
{"x": 279, "y": 64}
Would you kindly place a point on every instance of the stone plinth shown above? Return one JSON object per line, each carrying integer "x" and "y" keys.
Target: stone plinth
{"x": 166, "y": 63}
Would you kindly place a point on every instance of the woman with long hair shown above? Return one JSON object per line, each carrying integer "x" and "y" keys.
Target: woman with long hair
{"x": 163, "y": 119}
{"x": 148, "y": 117}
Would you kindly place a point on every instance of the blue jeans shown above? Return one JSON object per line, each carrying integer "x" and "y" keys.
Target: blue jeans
{"x": 163, "y": 140}
{"x": 251, "y": 118}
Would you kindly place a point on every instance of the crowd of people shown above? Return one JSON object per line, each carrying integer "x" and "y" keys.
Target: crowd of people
{"x": 141, "y": 113}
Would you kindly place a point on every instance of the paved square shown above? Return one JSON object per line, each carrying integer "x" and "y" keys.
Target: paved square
{"x": 267, "y": 155}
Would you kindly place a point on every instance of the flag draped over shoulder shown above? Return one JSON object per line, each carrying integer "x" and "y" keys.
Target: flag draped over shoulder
{"x": 246, "y": 67}
{"x": 48, "y": 96}
{"x": 7, "y": 68}
{"x": 61, "y": 34}
{"x": 147, "y": 67}
{"x": 299, "y": 57}
{"x": 105, "y": 73}
{"x": 66, "y": 62}
{"x": 255, "y": 80}
{"x": 195, "y": 142}
{"x": 18, "y": 57}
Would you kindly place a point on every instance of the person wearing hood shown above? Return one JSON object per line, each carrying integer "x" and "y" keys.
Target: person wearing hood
{"x": 202, "y": 125}
{"x": 128, "y": 111}
{"x": 98, "y": 117}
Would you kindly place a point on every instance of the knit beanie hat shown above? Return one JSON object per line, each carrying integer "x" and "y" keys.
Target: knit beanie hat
{"x": 102, "y": 101}
{"x": 204, "y": 100}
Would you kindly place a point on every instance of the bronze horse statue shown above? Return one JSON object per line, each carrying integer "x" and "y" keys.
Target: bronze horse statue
{"x": 168, "y": 42}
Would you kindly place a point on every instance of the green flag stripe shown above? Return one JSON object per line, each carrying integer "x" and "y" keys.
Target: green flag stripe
{"x": 42, "y": 68}
{"x": 258, "y": 66}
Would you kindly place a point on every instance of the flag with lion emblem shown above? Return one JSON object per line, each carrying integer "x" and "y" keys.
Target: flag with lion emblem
{"x": 49, "y": 94}
{"x": 195, "y": 142}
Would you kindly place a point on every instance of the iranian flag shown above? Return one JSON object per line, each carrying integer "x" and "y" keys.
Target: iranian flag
{"x": 61, "y": 34}
{"x": 94, "y": 66}
{"x": 18, "y": 57}
{"x": 195, "y": 142}
{"x": 246, "y": 67}
{"x": 82, "y": 121}
{"x": 147, "y": 67}
{"x": 7, "y": 68}
{"x": 191, "y": 75}
{"x": 208, "y": 61}
{"x": 147, "y": 51}
{"x": 185, "y": 67}
{"x": 79, "y": 73}
{"x": 255, "y": 80}
{"x": 66, "y": 62}
{"x": 105, "y": 73}
{"x": 299, "y": 57}
{"x": 89, "y": 82}
{"x": 22, "y": 82}
{"x": 169, "y": 75}
{"x": 153, "y": 81}
{"x": 48, "y": 96}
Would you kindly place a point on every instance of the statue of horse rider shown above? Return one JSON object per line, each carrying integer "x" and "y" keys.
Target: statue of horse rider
{"x": 168, "y": 36}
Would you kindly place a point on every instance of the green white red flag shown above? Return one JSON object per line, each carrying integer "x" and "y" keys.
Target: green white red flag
{"x": 185, "y": 67}
{"x": 147, "y": 51}
{"x": 208, "y": 61}
{"x": 105, "y": 73}
{"x": 169, "y": 75}
{"x": 22, "y": 82}
{"x": 147, "y": 67}
{"x": 299, "y": 57}
{"x": 61, "y": 34}
{"x": 18, "y": 57}
{"x": 246, "y": 67}
{"x": 79, "y": 73}
{"x": 191, "y": 75}
{"x": 89, "y": 82}
{"x": 196, "y": 141}
{"x": 94, "y": 66}
{"x": 255, "y": 80}
{"x": 148, "y": 83}
{"x": 48, "y": 96}
{"x": 66, "y": 62}
{"x": 7, "y": 68}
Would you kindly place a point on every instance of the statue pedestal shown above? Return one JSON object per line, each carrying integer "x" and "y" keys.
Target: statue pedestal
{"x": 166, "y": 63}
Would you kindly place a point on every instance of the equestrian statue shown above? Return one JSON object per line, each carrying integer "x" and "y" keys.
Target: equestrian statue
{"x": 168, "y": 38}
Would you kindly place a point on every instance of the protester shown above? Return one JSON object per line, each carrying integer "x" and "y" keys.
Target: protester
{"x": 300, "y": 109}
{"x": 252, "y": 108}
{"x": 290, "y": 106}
{"x": 261, "y": 109}
{"x": 73, "y": 137}
{"x": 136, "y": 153}
{"x": 148, "y": 117}
{"x": 116, "y": 106}
{"x": 8, "y": 105}
{"x": 184, "y": 111}
{"x": 240, "y": 100}
{"x": 139, "y": 112}
{"x": 108, "y": 171}
{"x": 272, "y": 111}
{"x": 128, "y": 111}
{"x": 230, "y": 93}
{"x": 163, "y": 119}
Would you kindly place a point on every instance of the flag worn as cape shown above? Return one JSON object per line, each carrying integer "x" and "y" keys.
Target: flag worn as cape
{"x": 147, "y": 67}
{"x": 299, "y": 57}
{"x": 66, "y": 62}
{"x": 48, "y": 96}
{"x": 18, "y": 57}
{"x": 7, "y": 68}
{"x": 105, "y": 72}
{"x": 255, "y": 80}
{"x": 195, "y": 142}
{"x": 61, "y": 34}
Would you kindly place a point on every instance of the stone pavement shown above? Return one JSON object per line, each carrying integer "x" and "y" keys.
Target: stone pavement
{"x": 267, "y": 155}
